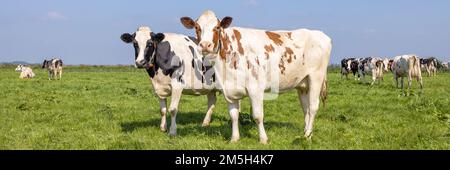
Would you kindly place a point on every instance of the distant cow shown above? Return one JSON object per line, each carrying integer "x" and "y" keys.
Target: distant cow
{"x": 430, "y": 65}
{"x": 445, "y": 66}
{"x": 386, "y": 64}
{"x": 407, "y": 66}
{"x": 354, "y": 68}
{"x": 175, "y": 67}
{"x": 54, "y": 67}
{"x": 372, "y": 66}
{"x": 345, "y": 67}
{"x": 390, "y": 64}
{"x": 25, "y": 72}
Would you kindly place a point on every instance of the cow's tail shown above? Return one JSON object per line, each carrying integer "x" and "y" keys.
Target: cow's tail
{"x": 324, "y": 92}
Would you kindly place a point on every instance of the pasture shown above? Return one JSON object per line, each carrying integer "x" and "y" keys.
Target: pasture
{"x": 114, "y": 107}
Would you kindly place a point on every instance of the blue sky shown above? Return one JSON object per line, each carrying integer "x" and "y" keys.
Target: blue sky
{"x": 87, "y": 32}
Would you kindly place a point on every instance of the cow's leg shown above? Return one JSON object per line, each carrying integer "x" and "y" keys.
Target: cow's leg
{"x": 419, "y": 79}
{"x": 60, "y": 74}
{"x": 163, "y": 107}
{"x": 256, "y": 100}
{"x": 396, "y": 79}
{"x": 374, "y": 77}
{"x": 315, "y": 86}
{"x": 211, "y": 105}
{"x": 233, "y": 108}
{"x": 173, "y": 108}
{"x": 54, "y": 74}
{"x": 304, "y": 100}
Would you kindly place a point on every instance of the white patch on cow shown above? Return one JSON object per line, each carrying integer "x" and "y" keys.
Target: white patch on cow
{"x": 142, "y": 37}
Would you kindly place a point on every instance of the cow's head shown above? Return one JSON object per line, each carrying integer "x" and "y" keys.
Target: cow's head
{"x": 19, "y": 67}
{"x": 45, "y": 64}
{"x": 209, "y": 30}
{"x": 349, "y": 62}
{"x": 144, "y": 42}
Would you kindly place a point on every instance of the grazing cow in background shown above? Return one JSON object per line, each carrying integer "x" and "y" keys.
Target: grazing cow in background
{"x": 430, "y": 65}
{"x": 372, "y": 66}
{"x": 175, "y": 67}
{"x": 25, "y": 72}
{"x": 54, "y": 67}
{"x": 250, "y": 62}
{"x": 386, "y": 64}
{"x": 345, "y": 67}
{"x": 407, "y": 66}
{"x": 445, "y": 66}
{"x": 390, "y": 63}
{"x": 354, "y": 66}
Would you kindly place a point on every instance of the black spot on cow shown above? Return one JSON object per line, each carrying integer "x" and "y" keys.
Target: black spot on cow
{"x": 166, "y": 59}
{"x": 193, "y": 52}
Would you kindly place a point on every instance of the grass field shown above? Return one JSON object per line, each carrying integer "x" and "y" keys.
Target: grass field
{"x": 115, "y": 108}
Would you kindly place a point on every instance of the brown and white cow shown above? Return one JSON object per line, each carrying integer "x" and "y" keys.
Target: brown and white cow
{"x": 407, "y": 66}
{"x": 250, "y": 62}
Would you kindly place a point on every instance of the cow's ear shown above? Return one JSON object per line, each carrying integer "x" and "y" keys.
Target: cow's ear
{"x": 157, "y": 38}
{"x": 226, "y": 22}
{"x": 127, "y": 38}
{"x": 187, "y": 22}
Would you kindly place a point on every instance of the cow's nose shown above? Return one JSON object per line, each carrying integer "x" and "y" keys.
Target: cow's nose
{"x": 141, "y": 63}
{"x": 205, "y": 45}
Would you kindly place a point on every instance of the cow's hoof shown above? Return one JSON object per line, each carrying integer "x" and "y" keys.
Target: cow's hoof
{"x": 163, "y": 129}
{"x": 308, "y": 135}
{"x": 173, "y": 133}
{"x": 234, "y": 140}
{"x": 205, "y": 124}
{"x": 263, "y": 141}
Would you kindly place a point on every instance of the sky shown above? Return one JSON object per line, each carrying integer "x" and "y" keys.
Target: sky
{"x": 88, "y": 32}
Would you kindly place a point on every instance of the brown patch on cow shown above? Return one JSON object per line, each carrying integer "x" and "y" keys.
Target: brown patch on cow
{"x": 276, "y": 38}
{"x": 257, "y": 61}
{"x": 225, "y": 47}
{"x": 198, "y": 32}
{"x": 254, "y": 73}
{"x": 237, "y": 34}
{"x": 281, "y": 65}
{"x": 234, "y": 62}
{"x": 269, "y": 48}
{"x": 289, "y": 53}
{"x": 289, "y": 35}
{"x": 248, "y": 64}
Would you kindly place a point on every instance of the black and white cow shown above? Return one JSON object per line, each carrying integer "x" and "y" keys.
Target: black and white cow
{"x": 54, "y": 67}
{"x": 430, "y": 65}
{"x": 345, "y": 67}
{"x": 372, "y": 66}
{"x": 354, "y": 67}
{"x": 175, "y": 67}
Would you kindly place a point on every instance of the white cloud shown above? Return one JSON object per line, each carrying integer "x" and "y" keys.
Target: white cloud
{"x": 55, "y": 16}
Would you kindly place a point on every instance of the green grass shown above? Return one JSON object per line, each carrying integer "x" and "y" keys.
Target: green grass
{"x": 115, "y": 108}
